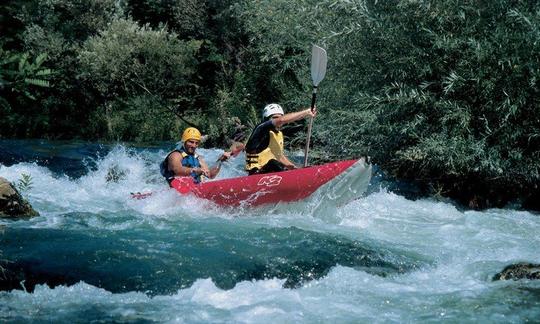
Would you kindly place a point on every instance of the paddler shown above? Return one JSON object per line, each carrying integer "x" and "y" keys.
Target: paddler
{"x": 264, "y": 148}
{"x": 185, "y": 162}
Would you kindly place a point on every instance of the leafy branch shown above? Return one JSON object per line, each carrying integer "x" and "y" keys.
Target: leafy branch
{"x": 18, "y": 72}
{"x": 25, "y": 182}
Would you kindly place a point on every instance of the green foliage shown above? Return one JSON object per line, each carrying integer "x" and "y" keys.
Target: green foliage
{"x": 127, "y": 58}
{"x": 280, "y": 45}
{"x": 73, "y": 20}
{"x": 127, "y": 61}
{"x": 232, "y": 111}
{"x": 25, "y": 182}
{"x": 56, "y": 28}
{"x": 437, "y": 91}
{"x": 22, "y": 84}
{"x": 444, "y": 92}
{"x": 19, "y": 73}
{"x": 444, "y": 73}
{"x": 185, "y": 17}
{"x": 138, "y": 119}
{"x": 10, "y": 25}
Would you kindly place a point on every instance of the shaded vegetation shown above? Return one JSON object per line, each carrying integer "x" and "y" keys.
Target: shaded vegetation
{"x": 444, "y": 93}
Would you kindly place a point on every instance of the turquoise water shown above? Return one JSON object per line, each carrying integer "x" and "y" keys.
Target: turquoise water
{"x": 95, "y": 254}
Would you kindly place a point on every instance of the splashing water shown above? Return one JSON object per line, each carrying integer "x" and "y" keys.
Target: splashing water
{"x": 96, "y": 253}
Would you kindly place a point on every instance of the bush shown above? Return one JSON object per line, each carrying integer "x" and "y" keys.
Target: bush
{"x": 127, "y": 62}
{"x": 137, "y": 119}
{"x": 440, "y": 92}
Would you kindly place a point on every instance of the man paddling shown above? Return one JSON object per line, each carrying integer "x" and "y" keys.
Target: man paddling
{"x": 264, "y": 149}
{"x": 185, "y": 162}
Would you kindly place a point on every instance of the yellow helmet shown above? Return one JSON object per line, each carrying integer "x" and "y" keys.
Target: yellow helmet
{"x": 191, "y": 133}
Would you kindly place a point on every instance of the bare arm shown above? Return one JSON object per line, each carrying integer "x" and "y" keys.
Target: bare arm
{"x": 204, "y": 169}
{"x": 283, "y": 159}
{"x": 289, "y": 118}
{"x": 175, "y": 165}
{"x": 215, "y": 170}
{"x": 292, "y": 117}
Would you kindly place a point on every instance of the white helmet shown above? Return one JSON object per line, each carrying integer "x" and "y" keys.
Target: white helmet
{"x": 272, "y": 109}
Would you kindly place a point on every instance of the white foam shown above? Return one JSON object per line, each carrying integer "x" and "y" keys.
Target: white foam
{"x": 459, "y": 252}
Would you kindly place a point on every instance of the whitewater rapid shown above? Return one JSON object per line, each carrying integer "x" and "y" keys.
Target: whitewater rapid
{"x": 172, "y": 258}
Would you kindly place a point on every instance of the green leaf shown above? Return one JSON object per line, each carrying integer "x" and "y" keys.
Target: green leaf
{"x": 44, "y": 72}
{"x": 23, "y": 62}
{"x": 37, "y": 82}
{"x": 40, "y": 59}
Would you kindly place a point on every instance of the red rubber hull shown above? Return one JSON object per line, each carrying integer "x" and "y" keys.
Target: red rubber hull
{"x": 270, "y": 188}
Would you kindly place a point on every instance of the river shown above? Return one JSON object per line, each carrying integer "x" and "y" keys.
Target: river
{"x": 170, "y": 258}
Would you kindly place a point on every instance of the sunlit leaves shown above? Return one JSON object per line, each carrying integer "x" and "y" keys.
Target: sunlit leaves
{"x": 127, "y": 60}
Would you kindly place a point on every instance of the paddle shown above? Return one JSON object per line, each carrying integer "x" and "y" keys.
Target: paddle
{"x": 318, "y": 70}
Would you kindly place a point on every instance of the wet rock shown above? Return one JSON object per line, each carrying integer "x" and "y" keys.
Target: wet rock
{"x": 26, "y": 275}
{"x": 12, "y": 204}
{"x": 519, "y": 271}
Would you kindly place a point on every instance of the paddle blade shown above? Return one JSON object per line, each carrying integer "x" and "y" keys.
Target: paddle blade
{"x": 318, "y": 64}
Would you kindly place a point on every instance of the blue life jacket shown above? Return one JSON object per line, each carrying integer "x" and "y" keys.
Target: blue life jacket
{"x": 188, "y": 160}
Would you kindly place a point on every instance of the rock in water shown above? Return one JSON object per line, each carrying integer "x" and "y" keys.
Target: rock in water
{"x": 12, "y": 204}
{"x": 519, "y": 271}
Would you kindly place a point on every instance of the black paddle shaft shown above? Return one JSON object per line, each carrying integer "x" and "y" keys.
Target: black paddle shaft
{"x": 313, "y": 97}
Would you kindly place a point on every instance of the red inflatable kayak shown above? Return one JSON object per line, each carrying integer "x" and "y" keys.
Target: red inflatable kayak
{"x": 344, "y": 181}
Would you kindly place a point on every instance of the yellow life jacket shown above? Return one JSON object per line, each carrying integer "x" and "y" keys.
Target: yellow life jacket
{"x": 273, "y": 151}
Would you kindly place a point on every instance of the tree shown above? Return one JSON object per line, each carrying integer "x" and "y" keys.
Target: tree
{"x": 18, "y": 73}
{"x": 19, "y": 78}
{"x": 444, "y": 93}
{"x": 127, "y": 60}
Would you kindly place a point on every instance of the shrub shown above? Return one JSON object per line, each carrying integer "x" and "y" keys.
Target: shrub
{"x": 128, "y": 62}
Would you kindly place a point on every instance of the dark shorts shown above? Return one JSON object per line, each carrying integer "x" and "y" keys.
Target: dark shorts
{"x": 272, "y": 166}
